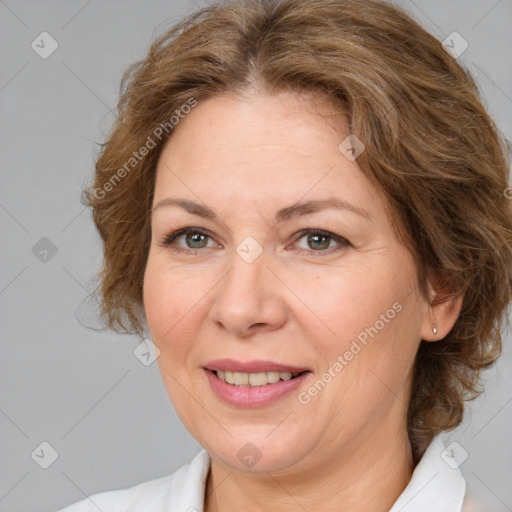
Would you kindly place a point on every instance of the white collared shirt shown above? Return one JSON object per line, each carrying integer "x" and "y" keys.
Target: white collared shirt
{"x": 434, "y": 487}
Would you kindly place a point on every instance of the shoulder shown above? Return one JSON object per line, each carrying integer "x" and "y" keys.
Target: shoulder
{"x": 185, "y": 485}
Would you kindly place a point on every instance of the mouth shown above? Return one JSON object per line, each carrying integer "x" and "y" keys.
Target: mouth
{"x": 261, "y": 385}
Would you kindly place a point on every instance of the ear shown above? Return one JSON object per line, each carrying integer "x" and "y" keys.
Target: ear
{"x": 443, "y": 311}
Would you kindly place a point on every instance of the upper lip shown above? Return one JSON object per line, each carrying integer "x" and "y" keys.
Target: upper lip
{"x": 255, "y": 366}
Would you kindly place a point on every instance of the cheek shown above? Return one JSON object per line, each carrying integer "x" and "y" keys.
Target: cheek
{"x": 176, "y": 305}
{"x": 367, "y": 314}
{"x": 166, "y": 301}
{"x": 166, "y": 307}
{"x": 157, "y": 304}
{"x": 342, "y": 302}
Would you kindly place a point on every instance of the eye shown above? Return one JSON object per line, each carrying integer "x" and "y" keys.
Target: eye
{"x": 318, "y": 240}
{"x": 194, "y": 239}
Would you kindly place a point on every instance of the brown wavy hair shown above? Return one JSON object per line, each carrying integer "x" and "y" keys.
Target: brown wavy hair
{"x": 431, "y": 148}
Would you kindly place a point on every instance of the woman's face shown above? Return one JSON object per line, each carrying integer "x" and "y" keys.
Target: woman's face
{"x": 328, "y": 289}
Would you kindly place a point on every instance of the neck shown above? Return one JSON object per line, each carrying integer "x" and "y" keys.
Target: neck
{"x": 368, "y": 477}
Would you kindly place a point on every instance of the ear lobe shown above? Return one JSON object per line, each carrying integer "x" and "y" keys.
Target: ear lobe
{"x": 444, "y": 310}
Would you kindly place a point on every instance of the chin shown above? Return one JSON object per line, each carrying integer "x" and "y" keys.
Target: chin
{"x": 259, "y": 452}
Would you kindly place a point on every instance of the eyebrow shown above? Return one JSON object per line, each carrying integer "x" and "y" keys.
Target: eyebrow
{"x": 286, "y": 213}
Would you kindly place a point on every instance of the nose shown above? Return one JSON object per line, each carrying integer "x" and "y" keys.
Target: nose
{"x": 248, "y": 299}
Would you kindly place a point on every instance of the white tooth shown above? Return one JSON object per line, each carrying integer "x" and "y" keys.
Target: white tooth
{"x": 272, "y": 377}
{"x": 253, "y": 379}
{"x": 240, "y": 379}
{"x": 258, "y": 379}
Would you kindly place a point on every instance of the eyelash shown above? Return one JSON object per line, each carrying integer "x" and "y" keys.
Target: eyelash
{"x": 169, "y": 239}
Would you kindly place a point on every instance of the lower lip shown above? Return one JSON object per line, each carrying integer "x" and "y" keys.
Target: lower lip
{"x": 246, "y": 396}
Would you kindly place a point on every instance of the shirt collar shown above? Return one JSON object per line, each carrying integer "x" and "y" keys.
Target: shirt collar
{"x": 434, "y": 485}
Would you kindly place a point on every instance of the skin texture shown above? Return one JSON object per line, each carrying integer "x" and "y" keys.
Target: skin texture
{"x": 347, "y": 449}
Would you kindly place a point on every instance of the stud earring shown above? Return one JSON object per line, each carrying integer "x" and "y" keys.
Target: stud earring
{"x": 434, "y": 329}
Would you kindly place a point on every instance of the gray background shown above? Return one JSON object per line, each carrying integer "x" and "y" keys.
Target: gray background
{"x": 84, "y": 392}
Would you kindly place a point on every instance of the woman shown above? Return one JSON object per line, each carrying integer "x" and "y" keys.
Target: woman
{"x": 305, "y": 205}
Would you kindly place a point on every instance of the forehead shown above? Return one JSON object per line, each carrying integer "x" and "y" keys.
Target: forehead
{"x": 260, "y": 150}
